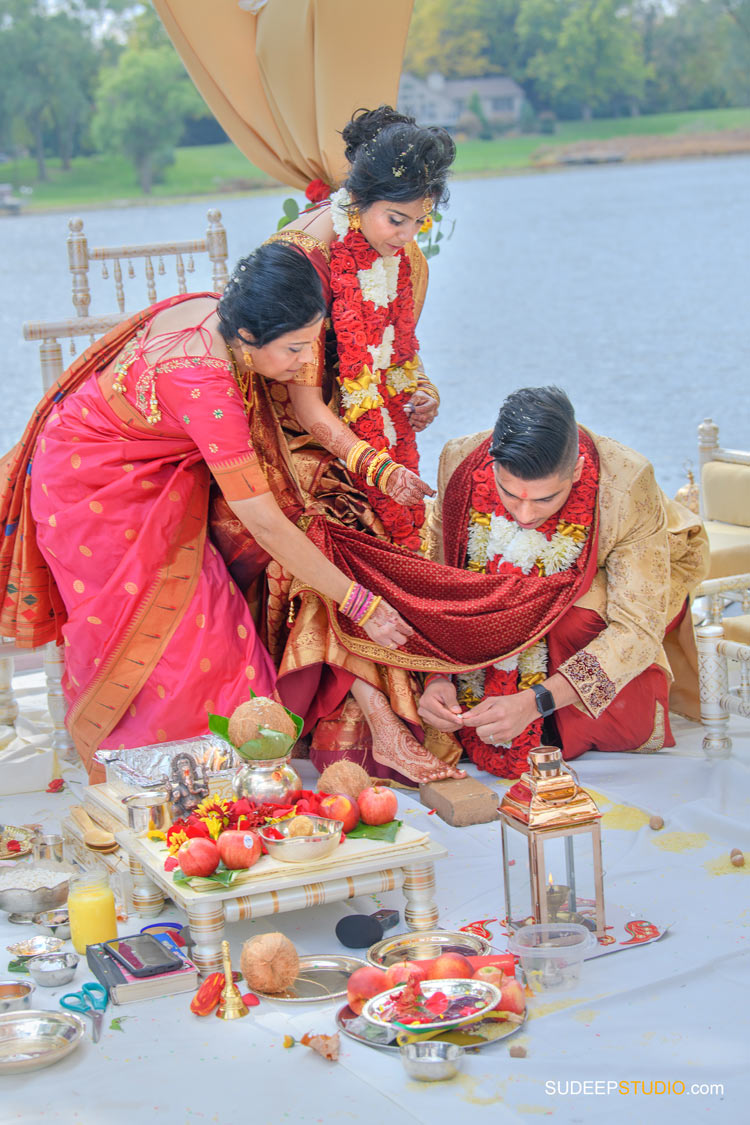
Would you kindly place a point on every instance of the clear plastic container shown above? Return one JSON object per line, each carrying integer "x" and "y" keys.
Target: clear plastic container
{"x": 91, "y": 909}
{"x": 551, "y": 955}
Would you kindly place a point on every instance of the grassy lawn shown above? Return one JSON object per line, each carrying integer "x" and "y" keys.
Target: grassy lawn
{"x": 214, "y": 169}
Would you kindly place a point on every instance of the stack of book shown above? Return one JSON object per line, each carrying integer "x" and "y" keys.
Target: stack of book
{"x": 124, "y": 988}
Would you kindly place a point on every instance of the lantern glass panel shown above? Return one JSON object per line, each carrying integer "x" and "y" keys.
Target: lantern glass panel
{"x": 550, "y": 876}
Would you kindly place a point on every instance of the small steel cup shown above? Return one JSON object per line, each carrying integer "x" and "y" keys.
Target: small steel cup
{"x": 48, "y": 847}
{"x": 148, "y": 811}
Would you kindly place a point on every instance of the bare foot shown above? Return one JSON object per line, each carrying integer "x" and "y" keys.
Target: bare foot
{"x": 394, "y": 746}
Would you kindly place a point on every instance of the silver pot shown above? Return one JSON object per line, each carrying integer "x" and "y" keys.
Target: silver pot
{"x": 269, "y": 780}
{"x": 147, "y": 811}
{"x": 15, "y": 995}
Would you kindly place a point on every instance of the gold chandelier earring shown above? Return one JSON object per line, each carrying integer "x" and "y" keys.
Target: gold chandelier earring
{"x": 355, "y": 222}
{"x": 247, "y": 359}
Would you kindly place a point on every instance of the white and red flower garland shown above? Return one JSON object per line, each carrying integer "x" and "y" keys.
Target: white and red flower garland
{"x": 373, "y": 318}
{"x": 497, "y": 545}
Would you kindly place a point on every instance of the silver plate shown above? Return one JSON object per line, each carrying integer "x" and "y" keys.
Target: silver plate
{"x": 424, "y": 945}
{"x": 23, "y": 836}
{"x": 319, "y": 978}
{"x": 31, "y": 1040}
{"x": 146, "y": 767}
{"x": 34, "y": 946}
{"x": 376, "y": 1009}
{"x": 345, "y": 1017}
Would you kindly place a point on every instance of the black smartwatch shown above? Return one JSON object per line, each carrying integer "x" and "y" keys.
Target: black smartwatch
{"x": 545, "y": 700}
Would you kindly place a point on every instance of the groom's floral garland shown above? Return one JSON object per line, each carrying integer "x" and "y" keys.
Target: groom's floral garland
{"x": 373, "y": 318}
{"x": 497, "y": 545}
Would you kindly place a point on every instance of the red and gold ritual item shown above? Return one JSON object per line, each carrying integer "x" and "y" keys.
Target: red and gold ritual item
{"x": 547, "y": 804}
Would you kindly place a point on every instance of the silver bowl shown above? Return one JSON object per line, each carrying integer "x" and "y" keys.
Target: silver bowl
{"x": 432, "y": 1061}
{"x": 56, "y": 923}
{"x": 15, "y": 995}
{"x": 303, "y": 849}
{"x": 51, "y": 969}
{"x": 31, "y": 1040}
{"x": 21, "y": 900}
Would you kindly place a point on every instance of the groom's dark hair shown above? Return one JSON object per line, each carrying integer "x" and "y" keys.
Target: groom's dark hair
{"x": 536, "y": 434}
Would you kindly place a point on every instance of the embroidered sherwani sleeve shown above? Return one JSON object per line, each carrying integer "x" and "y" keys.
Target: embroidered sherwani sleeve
{"x": 637, "y": 570}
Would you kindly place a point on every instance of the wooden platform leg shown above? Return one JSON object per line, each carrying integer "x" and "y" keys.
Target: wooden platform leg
{"x": 148, "y": 899}
{"x": 421, "y": 912}
{"x": 8, "y": 705}
{"x": 54, "y": 666}
{"x": 714, "y": 684}
{"x": 206, "y": 921}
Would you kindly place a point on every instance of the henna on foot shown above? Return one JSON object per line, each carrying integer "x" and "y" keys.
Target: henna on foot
{"x": 394, "y": 746}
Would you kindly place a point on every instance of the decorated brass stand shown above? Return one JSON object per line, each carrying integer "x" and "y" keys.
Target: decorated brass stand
{"x": 548, "y": 803}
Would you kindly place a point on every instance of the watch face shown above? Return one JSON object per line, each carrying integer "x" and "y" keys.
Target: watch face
{"x": 545, "y": 701}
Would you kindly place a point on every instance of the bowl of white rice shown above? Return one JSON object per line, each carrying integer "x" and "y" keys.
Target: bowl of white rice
{"x": 27, "y": 888}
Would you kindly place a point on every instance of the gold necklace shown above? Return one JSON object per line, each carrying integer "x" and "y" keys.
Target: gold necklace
{"x": 243, "y": 381}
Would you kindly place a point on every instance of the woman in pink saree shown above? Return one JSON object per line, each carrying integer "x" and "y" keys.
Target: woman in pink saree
{"x": 156, "y": 633}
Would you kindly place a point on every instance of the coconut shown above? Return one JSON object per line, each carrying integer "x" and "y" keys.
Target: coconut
{"x": 301, "y": 826}
{"x": 247, "y": 719}
{"x": 269, "y": 962}
{"x": 344, "y": 777}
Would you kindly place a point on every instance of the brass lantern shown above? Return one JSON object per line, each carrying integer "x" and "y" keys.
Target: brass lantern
{"x": 546, "y": 804}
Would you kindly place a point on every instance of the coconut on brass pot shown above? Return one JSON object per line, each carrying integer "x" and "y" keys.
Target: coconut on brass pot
{"x": 263, "y": 733}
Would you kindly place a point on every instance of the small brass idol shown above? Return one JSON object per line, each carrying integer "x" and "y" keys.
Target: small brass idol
{"x": 231, "y": 1005}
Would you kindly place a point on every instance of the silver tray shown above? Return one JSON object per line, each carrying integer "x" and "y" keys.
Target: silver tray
{"x": 31, "y": 1040}
{"x": 319, "y": 978}
{"x": 424, "y": 945}
{"x": 147, "y": 767}
{"x": 461, "y": 1035}
{"x": 375, "y": 1010}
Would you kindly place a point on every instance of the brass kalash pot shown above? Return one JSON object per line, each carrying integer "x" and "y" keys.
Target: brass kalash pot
{"x": 548, "y": 803}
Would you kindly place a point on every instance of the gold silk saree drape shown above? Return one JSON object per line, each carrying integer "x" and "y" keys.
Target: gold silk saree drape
{"x": 284, "y": 82}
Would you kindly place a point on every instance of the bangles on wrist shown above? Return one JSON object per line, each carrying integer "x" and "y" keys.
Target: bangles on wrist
{"x": 435, "y": 676}
{"x": 375, "y": 465}
{"x": 429, "y": 388}
{"x": 359, "y": 604}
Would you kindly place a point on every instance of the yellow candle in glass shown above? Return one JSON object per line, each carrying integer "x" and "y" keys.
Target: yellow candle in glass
{"x": 91, "y": 909}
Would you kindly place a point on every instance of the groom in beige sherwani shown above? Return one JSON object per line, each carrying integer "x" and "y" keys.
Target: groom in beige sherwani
{"x": 608, "y": 672}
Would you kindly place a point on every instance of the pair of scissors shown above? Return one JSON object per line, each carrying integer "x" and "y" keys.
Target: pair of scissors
{"x": 91, "y": 1001}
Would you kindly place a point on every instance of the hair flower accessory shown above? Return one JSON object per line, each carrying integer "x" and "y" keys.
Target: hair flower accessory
{"x": 317, "y": 190}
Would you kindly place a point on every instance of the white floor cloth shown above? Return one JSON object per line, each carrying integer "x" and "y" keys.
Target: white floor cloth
{"x": 675, "y": 1011}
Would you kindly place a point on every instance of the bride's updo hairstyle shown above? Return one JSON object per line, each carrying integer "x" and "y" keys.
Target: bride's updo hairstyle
{"x": 395, "y": 159}
{"x": 272, "y": 291}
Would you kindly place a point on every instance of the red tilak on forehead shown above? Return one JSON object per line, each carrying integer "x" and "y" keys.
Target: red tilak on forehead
{"x": 523, "y": 495}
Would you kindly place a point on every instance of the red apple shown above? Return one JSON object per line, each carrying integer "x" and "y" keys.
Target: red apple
{"x": 198, "y": 856}
{"x": 377, "y": 805}
{"x": 512, "y": 998}
{"x": 450, "y": 966}
{"x": 402, "y": 971}
{"x": 362, "y": 984}
{"x": 490, "y": 974}
{"x": 337, "y": 806}
{"x": 239, "y": 849}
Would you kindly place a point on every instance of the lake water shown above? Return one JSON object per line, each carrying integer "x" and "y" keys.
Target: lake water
{"x": 626, "y": 285}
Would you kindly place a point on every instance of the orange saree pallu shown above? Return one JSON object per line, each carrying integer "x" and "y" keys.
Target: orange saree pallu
{"x": 155, "y": 632}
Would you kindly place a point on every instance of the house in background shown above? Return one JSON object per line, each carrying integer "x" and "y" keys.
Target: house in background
{"x": 446, "y": 101}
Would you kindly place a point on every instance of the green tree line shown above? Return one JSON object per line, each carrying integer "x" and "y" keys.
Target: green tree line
{"x": 101, "y": 76}
{"x": 579, "y": 58}
{"x": 92, "y": 76}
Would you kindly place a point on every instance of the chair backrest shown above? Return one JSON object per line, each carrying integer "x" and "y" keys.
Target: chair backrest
{"x": 725, "y": 478}
{"x": 80, "y": 255}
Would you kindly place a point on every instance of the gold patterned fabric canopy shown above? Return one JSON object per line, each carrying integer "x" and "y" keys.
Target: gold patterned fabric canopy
{"x": 283, "y": 80}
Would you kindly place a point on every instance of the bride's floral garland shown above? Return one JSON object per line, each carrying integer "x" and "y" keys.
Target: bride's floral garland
{"x": 373, "y": 318}
{"x": 497, "y": 545}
